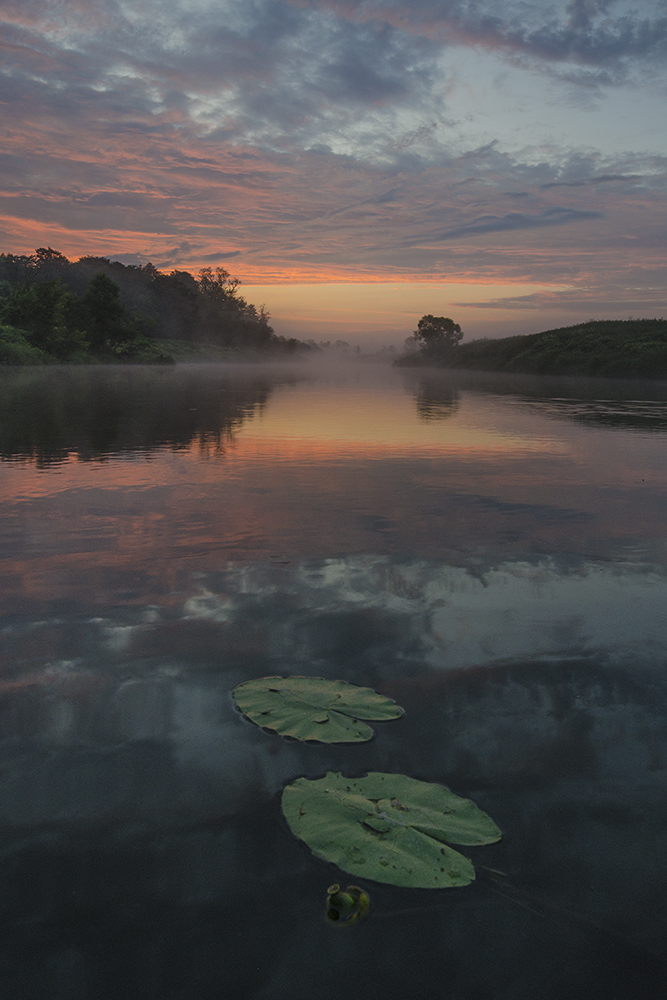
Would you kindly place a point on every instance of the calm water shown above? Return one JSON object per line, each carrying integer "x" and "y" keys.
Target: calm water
{"x": 491, "y": 552}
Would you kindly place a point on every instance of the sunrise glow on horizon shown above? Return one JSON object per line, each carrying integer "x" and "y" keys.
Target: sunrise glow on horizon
{"x": 355, "y": 164}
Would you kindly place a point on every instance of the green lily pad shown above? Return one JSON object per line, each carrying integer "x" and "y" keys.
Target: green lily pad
{"x": 312, "y": 708}
{"x": 388, "y": 827}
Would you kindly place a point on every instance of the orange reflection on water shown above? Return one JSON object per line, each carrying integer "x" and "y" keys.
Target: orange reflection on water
{"x": 297, "y": 426}
{"x": 359, "y": 462}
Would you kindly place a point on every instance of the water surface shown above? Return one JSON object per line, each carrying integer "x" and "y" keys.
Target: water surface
{"x": 488, "y": 550}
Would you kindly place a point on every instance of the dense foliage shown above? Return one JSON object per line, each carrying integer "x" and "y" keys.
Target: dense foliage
{"x": 625, "y": 348}
{"x": 435, "y": 336}
{"x": 94, "y": 308}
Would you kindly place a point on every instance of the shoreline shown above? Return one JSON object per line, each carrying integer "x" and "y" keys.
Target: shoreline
{"x": 596, "y": 349}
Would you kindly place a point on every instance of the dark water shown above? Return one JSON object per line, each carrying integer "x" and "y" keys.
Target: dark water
{"x": 490, "y": 552}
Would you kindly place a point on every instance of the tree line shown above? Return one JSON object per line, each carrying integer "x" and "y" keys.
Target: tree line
{"x": 610, "y": 348}
{"x": 95, "y": 308}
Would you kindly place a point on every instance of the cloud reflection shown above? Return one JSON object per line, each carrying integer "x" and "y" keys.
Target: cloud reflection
{"x": 535, "y": 687}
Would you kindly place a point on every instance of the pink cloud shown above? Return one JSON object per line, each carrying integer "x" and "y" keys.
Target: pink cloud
{"x": 264, "y": 141}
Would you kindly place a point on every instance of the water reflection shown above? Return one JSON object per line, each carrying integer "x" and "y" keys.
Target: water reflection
{"x": 47, "y": 415}
{"x": 197, "y": 466}
{"x": 632, "y": 414}
{"x": 435, "y": 398}
{"x": 138, "y": 806}
{"x": 633, "y": 404}
{"x": 488, "y": 559}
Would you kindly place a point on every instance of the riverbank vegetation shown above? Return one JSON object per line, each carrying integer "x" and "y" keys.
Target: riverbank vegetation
{"x": 53, "y": 310}
{"x": 610, "y": 348}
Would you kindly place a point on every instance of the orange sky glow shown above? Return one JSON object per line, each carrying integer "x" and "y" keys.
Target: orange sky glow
{"x": 354, "y": 172}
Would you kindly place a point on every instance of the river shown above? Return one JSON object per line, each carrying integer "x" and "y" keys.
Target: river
{"x": 489, "y": 551}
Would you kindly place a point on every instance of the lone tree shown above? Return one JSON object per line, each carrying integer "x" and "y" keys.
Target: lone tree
{"x": 437, "y": 333}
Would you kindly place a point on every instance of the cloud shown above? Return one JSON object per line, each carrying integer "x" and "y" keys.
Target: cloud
{"x": 313, "y": 141}
{"x": 220, "y": 256}
{"x": 589, "y": 33}
{"x": 262, "y": 73}
{"x": 584, "y": 302}
{"x": 513, "y": 221}
{"x": 604, "y": 179}
{"x": 364, "y": 78}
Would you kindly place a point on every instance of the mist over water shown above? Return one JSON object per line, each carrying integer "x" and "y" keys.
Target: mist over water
{"x": 489, "y": 551}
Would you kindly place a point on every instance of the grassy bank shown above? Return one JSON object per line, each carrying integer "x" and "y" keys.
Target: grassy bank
{"x": 611, "y": 348}
{"x": 16, "y": 349}
{"x": 190, "y": 351}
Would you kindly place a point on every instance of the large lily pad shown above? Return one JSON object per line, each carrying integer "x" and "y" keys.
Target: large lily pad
{"x": 312, "y": 708}
{"x": 388, "y": 827}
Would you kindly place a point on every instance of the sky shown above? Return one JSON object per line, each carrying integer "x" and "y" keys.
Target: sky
{"x": 356, "y": 163}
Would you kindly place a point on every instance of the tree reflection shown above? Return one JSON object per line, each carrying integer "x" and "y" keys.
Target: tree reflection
{"x": 627, "y": 404}
{"x": 48, "y": 414}
{"x": 435, "y": 399}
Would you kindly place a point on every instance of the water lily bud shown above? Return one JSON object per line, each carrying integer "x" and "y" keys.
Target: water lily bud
{"x": 346, "y": 907}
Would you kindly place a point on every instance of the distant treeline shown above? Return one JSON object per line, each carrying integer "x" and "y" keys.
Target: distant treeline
{"x": 611, "y": 348}
{"x": 52, "y": 309}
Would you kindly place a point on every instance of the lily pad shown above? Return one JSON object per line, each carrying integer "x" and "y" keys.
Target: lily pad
{"x": 388, "y": 827}
{"x": 312, "y": 708}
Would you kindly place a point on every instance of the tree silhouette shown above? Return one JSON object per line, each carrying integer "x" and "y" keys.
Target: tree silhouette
{"x": 104, "y": 312}
{"x": 437, "y": 333}
{"x": 113, "y": 310}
